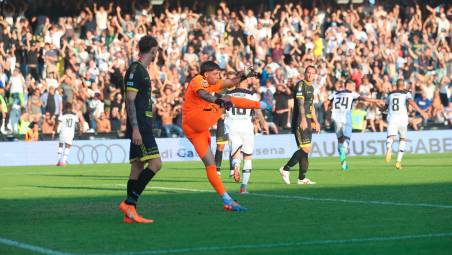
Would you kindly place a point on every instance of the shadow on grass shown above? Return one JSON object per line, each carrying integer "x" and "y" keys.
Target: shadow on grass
{"x": 84, "y": 224}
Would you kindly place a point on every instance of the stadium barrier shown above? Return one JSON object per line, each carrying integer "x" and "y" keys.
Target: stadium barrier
{"x": 180, "y": 149}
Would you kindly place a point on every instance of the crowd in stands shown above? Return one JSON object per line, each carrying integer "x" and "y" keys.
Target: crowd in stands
{"x": 47, "y": 62}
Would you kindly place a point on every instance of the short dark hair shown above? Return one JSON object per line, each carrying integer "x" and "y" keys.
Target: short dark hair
{"x": 349, "y": 81}
{"x": 310, "y": 66}
{"x": 67, "y": 107}
{"x": 146, "y": 43}
{"x": 208, "y": 66}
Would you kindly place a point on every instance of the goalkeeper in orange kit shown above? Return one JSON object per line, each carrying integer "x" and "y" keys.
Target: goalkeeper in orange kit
{"x": 201, "y": 110}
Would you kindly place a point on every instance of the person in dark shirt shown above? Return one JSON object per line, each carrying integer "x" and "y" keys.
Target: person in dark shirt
{"x": 115, "y": 120}
{"x": 281, "y": 98}
{"x": 143, "y": 147}
{"x": 304, "y": 119}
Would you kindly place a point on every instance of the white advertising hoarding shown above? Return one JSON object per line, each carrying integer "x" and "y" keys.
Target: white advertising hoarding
{"x": 180, "y": 149}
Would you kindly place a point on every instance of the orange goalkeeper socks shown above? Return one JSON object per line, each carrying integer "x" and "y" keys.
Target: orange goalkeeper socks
{"x": 214, "y": 179}
{"x": 244, "y": 103}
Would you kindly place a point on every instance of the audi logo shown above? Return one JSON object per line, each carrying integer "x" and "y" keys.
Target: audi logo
{"x": 92, "y": 154}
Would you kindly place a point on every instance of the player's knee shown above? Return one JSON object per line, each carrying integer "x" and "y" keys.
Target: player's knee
{"x": 208, "y": 159}
{"x": 155, "y": 164}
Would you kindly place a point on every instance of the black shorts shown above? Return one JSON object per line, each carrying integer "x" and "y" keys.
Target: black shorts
{"x": 304, "y": 137}
{"x": 146, "y": 151}
{"x": 221, "y": 137}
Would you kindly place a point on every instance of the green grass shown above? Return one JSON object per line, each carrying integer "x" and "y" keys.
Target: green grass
{"x": 74, "y": 209}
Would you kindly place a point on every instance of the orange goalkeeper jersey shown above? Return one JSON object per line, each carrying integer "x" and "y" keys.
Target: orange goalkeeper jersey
{"x": 193, "y": 104}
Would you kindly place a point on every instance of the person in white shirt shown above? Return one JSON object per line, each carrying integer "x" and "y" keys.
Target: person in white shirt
{"x": 239, "y": 129}
{"x": 66, "y": 130}
{"x": 397, "y": 119}
{"x": 250, "y": 22}
{"x": 341, "y": 105}
{"x": 16, "y": 82}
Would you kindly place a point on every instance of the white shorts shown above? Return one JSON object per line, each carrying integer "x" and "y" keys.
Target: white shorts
{"x": 66, "y": 138}
{"x": 398, "y": 127}
{"x": 343, "y": 129}
{"x": 241, "y": 141}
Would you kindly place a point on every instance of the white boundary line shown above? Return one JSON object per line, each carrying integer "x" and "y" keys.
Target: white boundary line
{"x": 33, "y": 248}
{"x": 321, "y": 199}
{"x": 293, "y": 197}
{"x": 279, "y": 245}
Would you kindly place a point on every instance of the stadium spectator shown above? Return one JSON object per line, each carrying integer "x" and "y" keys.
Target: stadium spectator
{"x": 49, "y": 124}
{"x": 3, "y": 112}
{"x": 103, "y": 124}
{"x": 32, "y": 134}
{"x": 82, "y": 58}
{"x": 52, "y": 101}
{"x": 425, "y": 104}
{"x": 359, "y": 118}
{"x": 35, "y": 104}
{"x": 281, "y": 102}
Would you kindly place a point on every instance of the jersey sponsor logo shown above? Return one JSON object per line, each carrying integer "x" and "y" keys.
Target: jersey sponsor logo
{"x": 130, "y": 83}
{"x": 91, "y": 154}
{"x": 204, "y": 84}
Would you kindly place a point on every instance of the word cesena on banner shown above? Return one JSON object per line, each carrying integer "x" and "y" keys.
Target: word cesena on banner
{"x": 179, "y": 149}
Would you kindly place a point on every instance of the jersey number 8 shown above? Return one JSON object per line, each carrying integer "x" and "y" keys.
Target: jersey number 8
{"x": 395, "y": 104}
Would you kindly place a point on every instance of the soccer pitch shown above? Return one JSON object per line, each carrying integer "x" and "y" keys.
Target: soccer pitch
{"x": 371, "y": 209}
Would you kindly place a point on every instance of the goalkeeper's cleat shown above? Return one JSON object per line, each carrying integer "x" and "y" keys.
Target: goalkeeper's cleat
{"x": 243, "y": 189}
{"x": 236, "y": 174}
{"x": 128, "y": 220}
{"x": 130, "y": 212}
{"x": 231, "y": 205}
{"x": 341, "y": 153}
{"x": 388, "y": 155}
{"x": 306, "y": 181}
{"x": 60, "y": 163}
{"x": 285, "y": 175}
{"x": 398, "y": 165}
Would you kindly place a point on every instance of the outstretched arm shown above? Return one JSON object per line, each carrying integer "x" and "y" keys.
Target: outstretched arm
{"x": 239, "y": 77}
{"x": 207, "y": 96}
{"x": 379, "y": 102}
{"x": 416, "y": 107}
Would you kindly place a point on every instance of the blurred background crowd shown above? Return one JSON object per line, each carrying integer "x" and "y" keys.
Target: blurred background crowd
{"x": 58, "y": 52}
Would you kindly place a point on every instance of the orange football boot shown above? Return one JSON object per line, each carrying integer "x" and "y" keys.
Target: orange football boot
{"x": 131, "y": 213}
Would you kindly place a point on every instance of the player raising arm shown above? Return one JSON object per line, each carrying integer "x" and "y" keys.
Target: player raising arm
{"x": 398, "y": 119}
{"x": 201, "y": 110}
{"x": 341, "y": 104}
